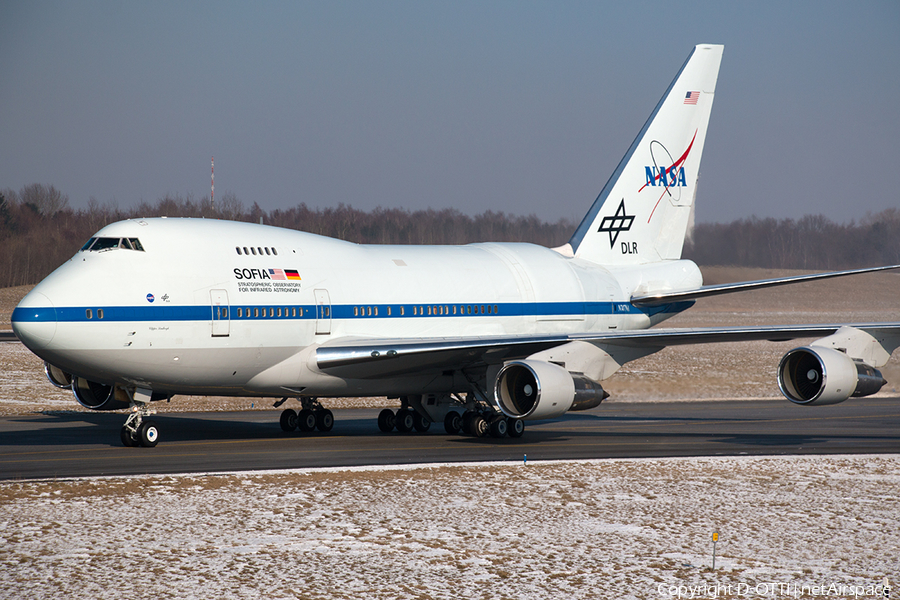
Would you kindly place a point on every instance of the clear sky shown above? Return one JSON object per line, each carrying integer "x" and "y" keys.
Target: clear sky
{"x": 521, "y": 107}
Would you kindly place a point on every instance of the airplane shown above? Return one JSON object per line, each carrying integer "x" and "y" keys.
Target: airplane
{"x": 482, "y": 337}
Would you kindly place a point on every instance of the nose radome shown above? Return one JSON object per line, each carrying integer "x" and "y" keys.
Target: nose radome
{"x": 34, "y": 320}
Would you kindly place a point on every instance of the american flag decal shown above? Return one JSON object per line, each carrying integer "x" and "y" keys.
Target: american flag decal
{"x": 277, "y": 273}
{"x": 691, "y": 97}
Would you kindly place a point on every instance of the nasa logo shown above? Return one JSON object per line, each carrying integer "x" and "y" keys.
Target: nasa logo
{"x": 150, "y": 298}
{"x": 671, "y": 177}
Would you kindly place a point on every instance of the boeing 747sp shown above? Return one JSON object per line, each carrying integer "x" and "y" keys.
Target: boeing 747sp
{"x": 481, "y": 337}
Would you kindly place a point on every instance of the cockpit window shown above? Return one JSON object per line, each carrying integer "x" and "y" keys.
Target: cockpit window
{"x": 98, "y": 244}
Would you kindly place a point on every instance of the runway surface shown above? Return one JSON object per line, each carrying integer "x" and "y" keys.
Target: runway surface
{"x": 84, "y": 444}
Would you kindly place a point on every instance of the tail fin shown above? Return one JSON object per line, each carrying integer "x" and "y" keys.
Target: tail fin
{"x": 642, "y": 214}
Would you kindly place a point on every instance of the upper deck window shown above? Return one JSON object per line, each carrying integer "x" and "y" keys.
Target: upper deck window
{"x": 98, "y": 244}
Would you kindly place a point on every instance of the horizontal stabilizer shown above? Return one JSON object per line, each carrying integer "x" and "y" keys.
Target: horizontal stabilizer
{"x": 743, "y": 286}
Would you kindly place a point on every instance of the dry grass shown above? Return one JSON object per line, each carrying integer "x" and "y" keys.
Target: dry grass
{"x": 586, "y": 529}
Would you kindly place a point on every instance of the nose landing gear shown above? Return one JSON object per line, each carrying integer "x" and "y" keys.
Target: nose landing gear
{"x": 138, "y": 430}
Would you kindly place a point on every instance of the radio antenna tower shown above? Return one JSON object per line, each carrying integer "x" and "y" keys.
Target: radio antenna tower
{"x": 212, "y": 182}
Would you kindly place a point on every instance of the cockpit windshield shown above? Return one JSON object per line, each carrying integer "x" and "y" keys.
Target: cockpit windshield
{"x": 98, "y": 244}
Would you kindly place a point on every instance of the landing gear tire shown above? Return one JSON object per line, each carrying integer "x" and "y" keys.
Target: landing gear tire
{"x": 127, "y": 440}
{"x": 405, "y": 420}
{"x": 452, "y": 422}
{"x": 515, "y": 427}
{"x": 499, "y": 427}
{"x": 148, "y": 434}
{"x": 324, "y": 420}
{"x": 420, "y": 423}
{"x": 288, "y": 420}
{"x": 386, "y": 420}
{"x": 479, "y": 426}
{"x": 467, "y": 419}
{"x": 306, "y": 420}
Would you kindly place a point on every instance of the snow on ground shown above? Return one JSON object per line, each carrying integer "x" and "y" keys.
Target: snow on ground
{"x": 597, "y": 529}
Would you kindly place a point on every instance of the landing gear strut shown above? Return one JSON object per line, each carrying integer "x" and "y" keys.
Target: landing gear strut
{"x": 138, "y": 430}
{"x": 312, "y": 416}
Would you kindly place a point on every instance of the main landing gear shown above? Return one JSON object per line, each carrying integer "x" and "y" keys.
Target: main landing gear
{"x": 470, "y": 422}
{"x": 312, "y": 416}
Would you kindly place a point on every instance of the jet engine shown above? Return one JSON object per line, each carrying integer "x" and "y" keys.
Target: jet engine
{"x": 98, "y": 396}
{"x": 820, "y": 375}
{"x": 57, "y": 376}
{"x": 588, "y": 393}
{"x": 533, "y": 389}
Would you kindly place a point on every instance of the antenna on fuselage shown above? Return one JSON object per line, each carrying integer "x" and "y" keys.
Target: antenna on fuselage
{"x": 212, "y": 182}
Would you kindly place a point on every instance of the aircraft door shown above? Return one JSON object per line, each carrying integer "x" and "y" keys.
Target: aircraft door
{"x": 221, "y": 321}
{"x": 323, "y": 312}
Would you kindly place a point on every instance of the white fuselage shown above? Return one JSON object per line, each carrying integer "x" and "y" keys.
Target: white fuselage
{"x": 218, "y": 307}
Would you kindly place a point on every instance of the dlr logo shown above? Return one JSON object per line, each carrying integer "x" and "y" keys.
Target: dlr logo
{"x": 629, "y": 248}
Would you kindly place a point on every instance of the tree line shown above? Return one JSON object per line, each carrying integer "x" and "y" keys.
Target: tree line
{"x": 39, "y": 231}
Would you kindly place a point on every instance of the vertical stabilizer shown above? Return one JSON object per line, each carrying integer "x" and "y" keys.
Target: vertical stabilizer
{"x": 642, "y": 214}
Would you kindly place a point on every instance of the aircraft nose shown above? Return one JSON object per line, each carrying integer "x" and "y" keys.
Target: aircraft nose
{"x": 34, "y": 321}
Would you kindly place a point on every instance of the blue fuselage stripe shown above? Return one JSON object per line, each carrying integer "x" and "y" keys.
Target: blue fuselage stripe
{"x": 339, "y": 311}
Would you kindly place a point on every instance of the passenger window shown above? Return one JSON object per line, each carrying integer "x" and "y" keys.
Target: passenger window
{"x": 224, "y": 312}
{"x": 327, "y": 311}
{"x": 279, "y": 311}
{"x": 260, "y": 251}
{"x": 495, "y": 309}
{"x": 267, "y": 251}
{"x": 271, "y": 312}
{"x": 369, "y": 311}
{"x": 89, "y": 314}
{"x": 389, "y": 311}
{"x": 245, "y": 250}
{"x": 402, "y": 311}
{"x": 99, "y": 313}
{"x": 240, "y": 312}
{"x": 376, "y": 311}
{"x": 255, "y": 312}
{"x": 238, "y": 250}
{"x": 253, "y": 250}
{"x": 355, "y": 311}
{"x": 274, "y": 251}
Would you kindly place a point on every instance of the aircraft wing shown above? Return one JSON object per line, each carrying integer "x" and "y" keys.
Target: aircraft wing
{"x": 656, "y": 299}
{"x": 378, "y": 357}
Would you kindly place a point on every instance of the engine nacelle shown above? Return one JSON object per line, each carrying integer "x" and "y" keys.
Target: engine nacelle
{"x": 57, "y": 376}
{"x": 820, "y": 375}
{"x": 533, "y": 389}
{"x": 97, "y": 396}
